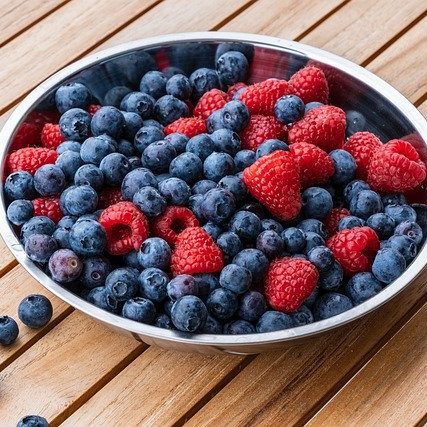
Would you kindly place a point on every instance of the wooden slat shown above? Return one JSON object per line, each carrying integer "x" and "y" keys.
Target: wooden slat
{"x": 391, "y": 389}
{"x": 423, "y": 109}
{"x": 7, "y": 260}
{"x": 157, "y": 389}
{"x": 62, "y": 368}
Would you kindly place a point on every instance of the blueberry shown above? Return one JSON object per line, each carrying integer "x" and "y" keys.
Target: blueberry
{"x": 366, "y": 203}
{"x": 235, "y": 186}
{"x": 9, "y": 330}
{"x": 269, "y": 146}
{"x": 272, "y": 224}
{"x": 195, "y": 204}
{"x": 69, "y": 146}
{"x": 69, "y": 162}
{"x": 146, "y": 136}
{"x": 244, "y": 159}
{"x": 316, "y": 202}
{"x": 33, "y": 421}
{"x": 178, "y": 141}
{"x": 331, "y": 304}
{"x": 239, "y": 327}
{"x": 246, "y": 49}
{"x": 123, "y": 283}
{"x": 272, "y": 321}
{"x": 251, "y": 306}
{"x": 75, "y": 124}
{"x": 254, "y": 260}
{"x": 150, "y": 201}
{"x": 88, "y": 238}
{"x": 270, "y": 243}
{"x": 313, "y": 225}
{"x": 355, "y": 122}
{"x": 89, "y": 175}
{"x": 182, "y": 285}
{"x": 67, "y": 222}
{"x": 214, "y": 121}
{"x": 163, "y": 321}
{"x": 153, "y": 283}
{"x": 403, "y": 244}
{"x": 232, "y": 67}
{"x": 153, "y": 83}
{"x": 19, "y": 185}
{"x": 218, "y": 165}
{"x": 353, "y": 188}
{"x": 72, "y": 95}
{"x": 235, "y": 278}
{"x": 401, "y": 213}
{"x": 345, "y": 167}
{"x": 95, "y": 271}
{"x": 154, "y": 252}
{"x": 394, "y": 199}
{"x": 382, "y": 224}
{"x": 19, "y": 211}
{"x": 211, "y": 326}
{"x": 171, "y": 71}
{"x": 289, "y": 109}
{"x": 167, "y": 109}
{"x": 35, "y": 311}
{"x": 139, "y": 103}
{"x": 234, "y": 116}
{"x": 102, "y": 299}
{"x": 115, "y": 95}
{"x": 362, "y": 286}
{"x": 331, "y": 278}
{"x": 132, "y": 124}
{"x": 206, "y": 283}
{"x": 115, "y": 167}
{"x": 186, "y": 166}
{"x": 158, "y": 156}
{"x": 136, "y": 180}
{"x": 202, "y": 80}
{"x": 126, "y": 148}
{"x": 294, "y": 240}
{"x": 303, "y": 316}
{"x": 255, "y": 208}
{"x": 203, "y": 186}
{"x": 40, "y": 247}
{"x": 230, "y": 244}
{"x": 410, "y": 229}
{"x": 94, "y": 149}
{"x": 175, "y": 191}
{"x": 37, "y": 225}
{"x": 226, "y": 141}
{"x": 179, "y": 86}
{"x": 388, "y": 265}
{"x": 189, "y": 313}
{"x": 139, "y": 309}
{"x": 350, "y": 222}
{"x": 246, "y": 225}
{"x": 131, "y": 260}
{"x": 217, "y": 205}
{"x": 321, "y": 257}
{"x": 212, "y": 229}
{"x": 108, "y": 120}
{"x": 201, "y": 145}
{"x": 222, "y": 303}
{"x": 312, "y": 298}
{"x": 79, "y": 200}
{"x": 154, "y": 123}
{"x": 311, "y": 105}
{"x": 312, "y": 240}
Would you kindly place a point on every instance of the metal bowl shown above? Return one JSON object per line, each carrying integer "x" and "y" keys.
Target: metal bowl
{"x": 389, "y": 114}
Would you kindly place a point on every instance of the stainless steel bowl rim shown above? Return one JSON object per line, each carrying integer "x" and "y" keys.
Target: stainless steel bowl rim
{"x": 403, "y": 105}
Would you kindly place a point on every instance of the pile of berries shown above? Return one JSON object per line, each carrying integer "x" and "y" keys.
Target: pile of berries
{"x": 207, "y": 204}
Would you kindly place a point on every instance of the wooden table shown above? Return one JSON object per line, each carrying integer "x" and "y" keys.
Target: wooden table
{"x": 79, "y": 373}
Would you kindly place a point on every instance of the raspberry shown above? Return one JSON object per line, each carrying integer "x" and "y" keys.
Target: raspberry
{"x": 261, "y": 128}
{"x": 28, "y": 134}
{"x": 190, "y": 126}
{"x": 93, "y": 108}
{"x": 332, "y": 220}
{"x": 173, "y": 221}
{"x": 210, "y": 102}
{"x": 310, "y": 85}
{"x": 396, "y": 167}
{"x": 274, "y": 180}
{"x": 48, "y": 206}
{"x": 261, "y": 97}
{"x": 232, "y": 90}
{"x": 362, "y": 145}
{"x": 316, "y": 167}
{"x": 354, "y": 249}
{"x": 196, "y": 252}
{"x": 126, "y": 227}
{"x": 289, "y": 282}
{"x": 29, "y": 159}
{"x": 323, "y": 126}
{"x": 109, "y": 196}
{"x": 51, "y": 136}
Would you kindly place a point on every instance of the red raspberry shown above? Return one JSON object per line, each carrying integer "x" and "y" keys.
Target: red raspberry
{"x": 274, "y": 180}
{"x": 41, "y": 117}
{"x": 289, "y": 282}
{"x": 323, "y": 126}
{"x": 51, "y": 136}
{"x": 232, "y": 90}
{"x": 28, "y": 134}
{"x": 362, "y": 145}
{"x": 261, "y": 128}
{"x": 93, "y": 108}
{"x": 126, "y": 227}
{"x": 354, "y": 249}
{"x": 173, "y": 221}
{"x": 310, "y": 85}
{"x": 210, "y": 102}
{"x": 332, "y": 220}
{"x": 29, "y": 159}
{"x": 396, "y": 167}
{"x": 316, "y": 167}
{"x": 261, "y": 97}
{"x": 109, "y": 196}
{"x": 196, "y": 252}
{"x": 48, "y": 206}
{"x": 190, "y": 126}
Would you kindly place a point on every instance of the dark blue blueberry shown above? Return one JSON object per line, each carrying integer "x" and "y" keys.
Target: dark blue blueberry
{"x": 206, "y": 283}
{"x": 203, "y": 186}
{"x": 211, "y": 326}
{"x": 321, "y": 257}
{"x": 153, "y": 283}
{"x": 401, "y": 213}
{"x": 289, "y": 109}
{"x": 201, "y": 145}
{"x": 19, "y": 185}
{"x": 213, "y": 230}
{"x": 135, "y": 180}
{"x": 243, "y": 159}
{"x": 167, "y": 109}
{"x": 303, "y": 316}
{"x": 154, "y": 252}
{"x": 89, "y": 175}
{"x": 382, "y": 224}
{"x": 235, "y": 278}
{"x": 102, "y": 299}
{"x": 394, "y": 199}
{"x": 88, "y": 238}
{"x": 178, "y": 141}
{"x": 272, "y": 224}
{"x": 179, "y": 86}
{"x": 350, "y": 222}
{"x": 235, "y": 186}
{"x": 195, "y": 204}
{"x": 316, "y": 202}
{"x": 126, "y": 148}
{"x": 75, "y": 124}
{"x": 246, "y": 225}
{"x": 115, "y": 167}
{"x": 175, "y": 191}
{"x": 123, "y": 283}
{"x": 410, "y": 229}
{"x": 232, "y": 67}
{"x": 133, "y": 123}
{"x": 158, "y": 156}
{"x": 162, "y": 177}
{"x": 202, "y": 80}
{"x": 310, "y": 105}
{"x": 214, "y": 121}
{"x": 186, "y": 166}
{"x": 94, "y": 149}
{"x": 331, "y": 304}
{"x": 19, "y": 211}
{"x": 234, "y": 116}
{"x": 115, "y": 95}
{"x": 150, "y": 201}
{"x": 355, "y": 122}
{"x": 272, "y": 321}
{"x": 366, "y": 203}
{"x": 95, "y": 271}
{"x": 182, "y": 285}
{"x": 270, "y": 243}
{"x": 254, "y": 260}
{"x": 69, "y": 146}
{"x": 269, "y": 146}
{"x": 171, "y": 71}
{"x": 313, "y": 225}
{"x": 226, "y": 141}
{"x": 246, "y": 49}
{"x": 153, "y": 83}
{"x": 353, "y": 188}
{"x": 139, "y": 309}
{"x": 9, "y": 330}
{"x": 35, "y": 311}
{"x": 294, "y": 240}
{"x": 230, "y": 244}
{"x": 135, "y": 162}
{"x": 217, "y": 205}
{"x": 154, "y": 123}
{"x": 139, "y": 103}
{"x": 222, "y": 303}
{"x": 189, "y": 313}
{"x": 37, "y": 225}
{"x": 79, "y": 200}
{"x": 108, "y": 120}
{"x": 388, "y": 265}
{"x": 312, "y": 298}
{"x": 252, "y": 306}
{"x": 331, "y": 278}
{"x": 33, "y": 421}
{"x": 40, "y": 247}
{"x": 72, "y": 95}
{"x": 403, "y": 244}
{"x": 167, "y": 306}
{"x": 131, "y": 260}
{"x": 69, "y": 162}
{"x": 146, "y": 136}
{"x": 239, "y": 327}
{"x": 362, "y": 286}
{"x": 163, "y": 321}
{"x": 218, "y": 165}
{"x": 312, "y": 240}
{"x": 345, "y": 167}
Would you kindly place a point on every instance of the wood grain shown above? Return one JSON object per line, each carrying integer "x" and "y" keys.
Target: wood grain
{"x": 423, "y": 109}
{"x": 7, "y": 260}
{"x": 391, "y": 389}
